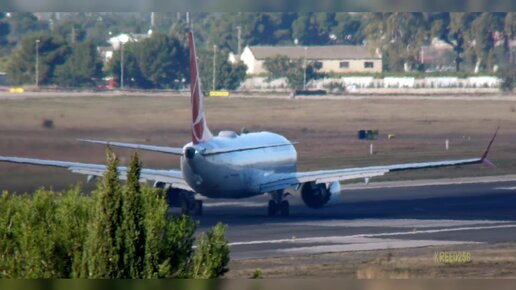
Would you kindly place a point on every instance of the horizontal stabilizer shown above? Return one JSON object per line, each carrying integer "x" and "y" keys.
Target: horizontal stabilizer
{"x": 162, "y": 149}
{"x": 229, "y": 150}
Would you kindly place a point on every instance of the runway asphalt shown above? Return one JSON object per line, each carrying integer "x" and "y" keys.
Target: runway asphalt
{"x": 370, "y": 219}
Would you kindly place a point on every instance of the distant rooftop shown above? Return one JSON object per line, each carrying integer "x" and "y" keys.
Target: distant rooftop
{"x": 314, "y": 52}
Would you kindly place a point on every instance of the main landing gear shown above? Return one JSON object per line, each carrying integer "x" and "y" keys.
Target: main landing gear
{"x": 184, "y": 200}
{"x": 192, "y": 206}
{"x": 278, "y": 205}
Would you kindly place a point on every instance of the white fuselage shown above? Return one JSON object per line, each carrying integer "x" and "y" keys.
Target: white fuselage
{"x": 237, "y": 174}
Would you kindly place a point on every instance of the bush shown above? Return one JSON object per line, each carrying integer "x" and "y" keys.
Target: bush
{"x": 212, "y": 254}
{"x": 120, "y": 232}
{"x": 42, "y": 235}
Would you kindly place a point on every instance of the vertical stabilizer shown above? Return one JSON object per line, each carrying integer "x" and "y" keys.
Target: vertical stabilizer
{"x": 200, "y": 131}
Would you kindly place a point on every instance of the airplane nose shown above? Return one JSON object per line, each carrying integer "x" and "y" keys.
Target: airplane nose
{"x": 189, "y": 153}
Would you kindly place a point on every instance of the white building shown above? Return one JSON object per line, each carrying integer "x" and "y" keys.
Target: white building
{"x": 333, "y": 58}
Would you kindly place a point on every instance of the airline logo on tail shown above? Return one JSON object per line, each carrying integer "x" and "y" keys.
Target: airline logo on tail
{"x": 200, "y": 131}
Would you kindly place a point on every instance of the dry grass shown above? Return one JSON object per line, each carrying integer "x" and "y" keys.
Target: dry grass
{"x": 488, "y": 261}
{"x": 326, "y": 130}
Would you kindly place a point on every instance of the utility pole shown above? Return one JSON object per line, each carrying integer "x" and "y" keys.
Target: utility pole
{"x": 304, "y": 70}
{"x": 214, "y": 64}
{"x": 123, "y": 38}
{"x": 239, "y": 37}
{"x": 37, "y": 63}
{"x": 121, "y": 66}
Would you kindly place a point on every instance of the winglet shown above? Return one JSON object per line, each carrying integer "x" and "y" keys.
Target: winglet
{"x": 484, "y": 156}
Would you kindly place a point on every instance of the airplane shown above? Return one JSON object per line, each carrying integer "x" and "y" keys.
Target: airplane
{"x": 235, "y": 166}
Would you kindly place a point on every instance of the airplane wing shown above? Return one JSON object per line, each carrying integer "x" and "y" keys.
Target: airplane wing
{"x": 286, "y": 180}
{"x": 162, "y": 149}
{"x": 173, "y": 177}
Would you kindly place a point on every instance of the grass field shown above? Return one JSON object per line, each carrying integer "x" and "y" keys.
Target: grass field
{"x": 487, "y": 261}
{"x": 326, "y": 130}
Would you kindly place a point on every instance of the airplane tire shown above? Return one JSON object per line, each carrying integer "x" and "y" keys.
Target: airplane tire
{"x": 197, "y": 210}
{"x": 185, "y": 206}
{"x": 284, "y": 208}
{"x": 271, "y": 209}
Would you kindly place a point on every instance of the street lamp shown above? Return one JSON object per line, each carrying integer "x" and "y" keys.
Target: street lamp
{"x": 304, "y": 70}
{"x": 214, "y": 62}
{"x": 37, "y": 63}
{"x": 123, "y": 38}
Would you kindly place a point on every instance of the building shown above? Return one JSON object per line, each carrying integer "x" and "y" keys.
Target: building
{"x": 106, "y": 52}
{"x": 115, "y": 41}
{"x": 333, "y": 58}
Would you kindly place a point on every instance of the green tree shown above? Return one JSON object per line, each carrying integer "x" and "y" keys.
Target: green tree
{"x": 157, "y": 62}
{"x": 163, "y": 61}
{"x": 71, "y": 30}
{"x": 22, "y": 24}
{"x": 73, "y": 215}
{"x": 121, "y": 232}
{"x": 103, "y": 255}
{"x": 481, "y": 38}
{"x": 453, "y": 29}
{"x": 293, "y": 70}
{"x": 212, "y": 255}
{"x": 510, "y": 23}
{"x": 52, "y": 50}
{"x": 508, "y": 75}
{"x": 277, "y": 66}
{"x": 228, "y": 76}
{"x": 82, "y": 68}
{"x": 44, "y": 234}
{"x": 133, "y": 222}
{"x": 133, "y": 75}
{"x": 399, "y": 36}
{"x": 177, "y": 247}
{"x": 313, "y": 28}
{"x": 348, "y": 28}
{"x": 4, "y": 30}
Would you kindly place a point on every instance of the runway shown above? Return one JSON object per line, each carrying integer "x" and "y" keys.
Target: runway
{"x": 371, "y": 219}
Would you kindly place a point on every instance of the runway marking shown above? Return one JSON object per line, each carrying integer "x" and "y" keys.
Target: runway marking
{"x": 398, "y": 223}
{"x": 341, "y": 239}
{"x": 506, "y": 188}
{"x": 234, "y": 203}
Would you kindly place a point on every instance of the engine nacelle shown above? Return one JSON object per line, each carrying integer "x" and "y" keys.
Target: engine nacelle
{"x": 160, "y": 184}
{"x": 174, "y": 196}
{"x": 317, "y": 195}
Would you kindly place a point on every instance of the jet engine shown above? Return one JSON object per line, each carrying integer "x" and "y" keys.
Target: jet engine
{"x": 317, "y": 195}
{"x": 173, "y": 195}
{"x": 189, "y": 152}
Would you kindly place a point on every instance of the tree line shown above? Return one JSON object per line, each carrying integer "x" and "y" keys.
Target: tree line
{"x": 121, "y": 231}
{"x": 158, "y": 62}
{"x": 480, "y": 40}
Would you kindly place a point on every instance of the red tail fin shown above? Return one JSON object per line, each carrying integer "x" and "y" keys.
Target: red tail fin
{"x": 200, "y": 131}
